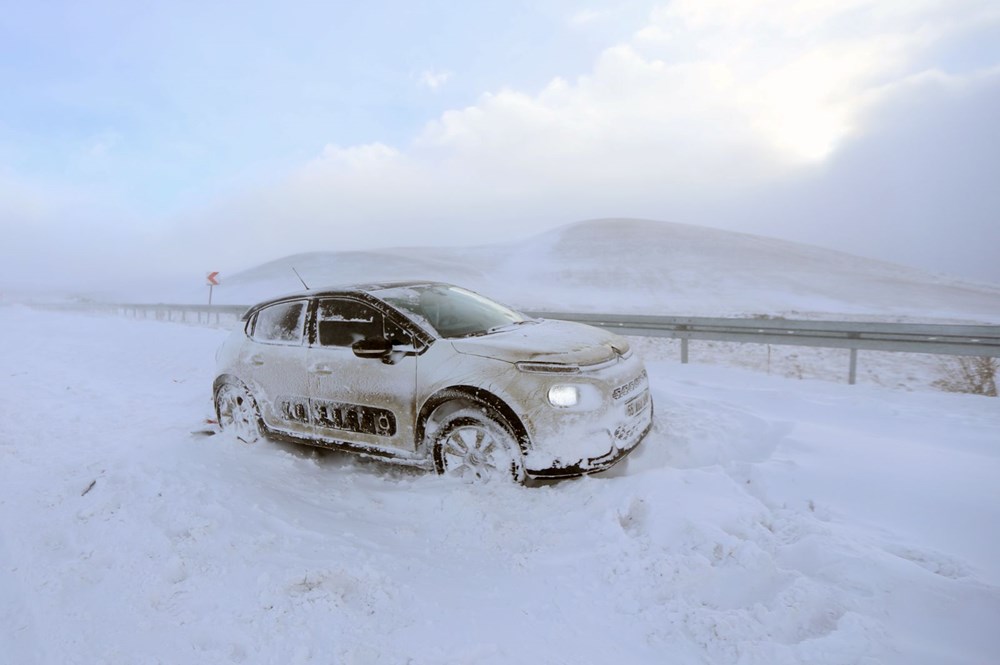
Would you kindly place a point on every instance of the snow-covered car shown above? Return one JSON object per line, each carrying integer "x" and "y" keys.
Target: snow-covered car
{"x": 436, "y": 376}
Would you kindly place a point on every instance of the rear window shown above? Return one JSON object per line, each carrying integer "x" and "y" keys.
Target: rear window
{"x": 282, "y": 323}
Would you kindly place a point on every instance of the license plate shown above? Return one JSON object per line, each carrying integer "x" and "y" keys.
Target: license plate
{"x": 637, "y": 403}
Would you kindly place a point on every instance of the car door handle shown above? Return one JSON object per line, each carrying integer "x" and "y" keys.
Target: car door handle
{"x": 257, "y": 359}
{"x": 320, "y": 368}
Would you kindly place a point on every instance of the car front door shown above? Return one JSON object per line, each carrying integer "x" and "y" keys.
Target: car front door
{"x": 366, "y": 402}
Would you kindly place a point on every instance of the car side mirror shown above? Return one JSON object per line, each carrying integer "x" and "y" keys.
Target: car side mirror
{"x": 373, "y": 347}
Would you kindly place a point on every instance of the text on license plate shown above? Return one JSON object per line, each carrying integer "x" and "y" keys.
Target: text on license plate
{"x": 637, "y": 403}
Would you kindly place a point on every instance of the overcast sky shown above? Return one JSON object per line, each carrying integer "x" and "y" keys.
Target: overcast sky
{"x": 149, "y": 141}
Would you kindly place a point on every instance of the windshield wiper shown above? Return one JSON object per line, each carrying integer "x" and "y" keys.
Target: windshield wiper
{"x": 505, "y": 326}
{"x": 495, "y": 329}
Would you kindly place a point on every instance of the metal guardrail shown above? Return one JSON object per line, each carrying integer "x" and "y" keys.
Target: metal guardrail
{"x": 218, "y": 314}
{"x": 933, "y": 338}
{"x": 959, "y": 340}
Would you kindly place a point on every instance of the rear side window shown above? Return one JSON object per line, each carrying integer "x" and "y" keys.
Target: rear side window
{"x": 282, "y": 323}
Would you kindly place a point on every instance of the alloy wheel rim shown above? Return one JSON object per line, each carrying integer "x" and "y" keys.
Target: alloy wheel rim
{"x": 234, "y": 413}
{"x": 473, "y": 452}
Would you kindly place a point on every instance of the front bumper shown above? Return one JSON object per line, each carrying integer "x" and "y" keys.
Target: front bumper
{"x": 567, "y": 442}
{"x": 594, "y": 464}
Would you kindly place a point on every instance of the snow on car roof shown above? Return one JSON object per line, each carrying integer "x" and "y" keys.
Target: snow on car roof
{"x": 366, "y": 289}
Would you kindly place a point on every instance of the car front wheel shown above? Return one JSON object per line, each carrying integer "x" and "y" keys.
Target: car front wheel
{"x": 473, "y": 446}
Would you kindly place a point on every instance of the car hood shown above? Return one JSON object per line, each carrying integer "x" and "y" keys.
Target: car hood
{"x": 546, "y": 341}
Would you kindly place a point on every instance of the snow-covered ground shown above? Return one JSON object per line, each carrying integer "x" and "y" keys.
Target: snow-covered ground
{"x": 906, "y": 371}
{"x": 764, "y": 520}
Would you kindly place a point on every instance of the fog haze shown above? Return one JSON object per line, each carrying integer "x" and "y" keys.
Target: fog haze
{"x": 150, "y": 147}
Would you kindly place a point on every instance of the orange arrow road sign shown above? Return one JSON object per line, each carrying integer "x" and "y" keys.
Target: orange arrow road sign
{"x": 212, "y": 278}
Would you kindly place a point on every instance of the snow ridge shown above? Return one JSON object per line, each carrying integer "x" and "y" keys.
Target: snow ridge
{"x": 642, "y": 266}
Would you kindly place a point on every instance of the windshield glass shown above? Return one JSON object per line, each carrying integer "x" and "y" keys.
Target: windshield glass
{"x": 449, "y": 310}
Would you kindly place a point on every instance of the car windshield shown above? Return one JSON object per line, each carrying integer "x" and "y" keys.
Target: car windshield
{"x": 451, "y": 311}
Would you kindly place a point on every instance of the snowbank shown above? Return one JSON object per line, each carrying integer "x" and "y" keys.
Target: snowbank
{"x": 763, "y": 521}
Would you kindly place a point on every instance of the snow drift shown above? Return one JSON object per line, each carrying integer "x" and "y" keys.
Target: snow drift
{"x": 763, "y": 521}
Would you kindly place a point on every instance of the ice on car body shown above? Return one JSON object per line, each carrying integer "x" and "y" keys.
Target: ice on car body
{"x": 395, "y": 370}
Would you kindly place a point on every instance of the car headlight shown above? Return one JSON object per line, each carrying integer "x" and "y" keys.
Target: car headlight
{"x": 564, "y": 396}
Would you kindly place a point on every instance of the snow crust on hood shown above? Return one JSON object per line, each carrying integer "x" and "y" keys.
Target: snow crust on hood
{"x": 546, "y": 341}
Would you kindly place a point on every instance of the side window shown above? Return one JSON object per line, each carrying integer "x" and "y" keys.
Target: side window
{"x": 397, "y": 334}
{"x": 344, "y": 322}
{"x": 281, "y": 323}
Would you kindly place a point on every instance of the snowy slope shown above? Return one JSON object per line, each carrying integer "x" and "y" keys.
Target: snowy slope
{"x": 763, "y": 521}
{"x": 632, "y": 266}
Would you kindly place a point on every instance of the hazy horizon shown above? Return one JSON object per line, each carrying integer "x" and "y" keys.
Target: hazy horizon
{"x": 159, "y": 144}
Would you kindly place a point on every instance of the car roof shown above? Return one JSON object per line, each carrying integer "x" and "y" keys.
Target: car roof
{"x": 341, "y": 290}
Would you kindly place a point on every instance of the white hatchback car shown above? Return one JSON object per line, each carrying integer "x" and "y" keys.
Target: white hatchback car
{"x": 436, "y": 376}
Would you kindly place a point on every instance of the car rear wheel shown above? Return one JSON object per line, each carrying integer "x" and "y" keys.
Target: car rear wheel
{"x": 237, "y": 412}
{"x": 475, "y": 447}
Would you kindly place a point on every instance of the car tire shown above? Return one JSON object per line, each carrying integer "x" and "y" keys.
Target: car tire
{"x": 476, "y": 447}
{"x": 237, "y": 412}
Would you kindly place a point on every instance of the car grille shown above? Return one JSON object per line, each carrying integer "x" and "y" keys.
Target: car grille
{"x": 630, "y": 387}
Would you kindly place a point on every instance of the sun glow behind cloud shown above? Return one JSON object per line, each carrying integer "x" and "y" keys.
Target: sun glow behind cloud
{"x": 793, "y": 73}
{"x": 724, "y": 91}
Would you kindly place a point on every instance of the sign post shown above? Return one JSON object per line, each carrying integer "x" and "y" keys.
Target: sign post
{"x": 213, "y": 281}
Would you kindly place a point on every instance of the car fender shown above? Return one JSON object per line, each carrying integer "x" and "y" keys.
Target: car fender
{"x": 475, "y": 395}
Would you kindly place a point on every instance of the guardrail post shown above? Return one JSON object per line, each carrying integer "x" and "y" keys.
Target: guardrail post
{"x": 852, "y": 373}
{"x": 684, "y": 342}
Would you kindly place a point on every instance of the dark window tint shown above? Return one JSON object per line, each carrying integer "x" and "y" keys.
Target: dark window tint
{"x": 281, "y": 323}
{"x": 344, "y": 322}
{"x": 396, "y": 334}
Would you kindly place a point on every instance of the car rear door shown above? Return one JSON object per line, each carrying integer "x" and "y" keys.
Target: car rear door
{"x": 275, "y": 363}
{"x": 367, "y": 402}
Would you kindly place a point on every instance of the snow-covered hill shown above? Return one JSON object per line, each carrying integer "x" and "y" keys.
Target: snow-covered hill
{"x": 633, "y": 266}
